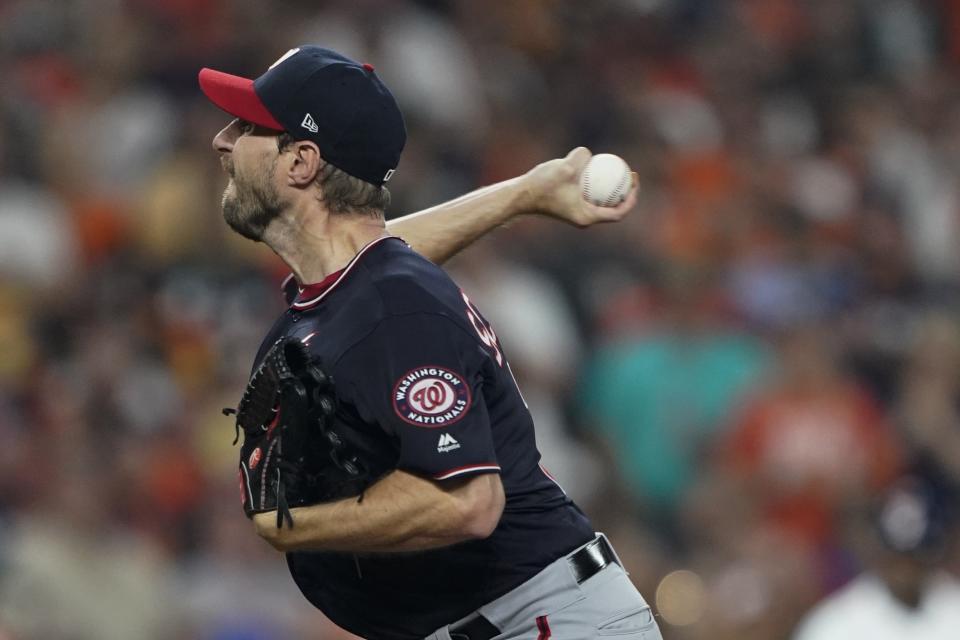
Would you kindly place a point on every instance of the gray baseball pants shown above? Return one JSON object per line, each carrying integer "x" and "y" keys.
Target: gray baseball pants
{"x": 552, "y": 605}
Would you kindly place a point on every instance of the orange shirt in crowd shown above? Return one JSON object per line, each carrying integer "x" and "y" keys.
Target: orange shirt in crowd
{"x": 805, "y": 454}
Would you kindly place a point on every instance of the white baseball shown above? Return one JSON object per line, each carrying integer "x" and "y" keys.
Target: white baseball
{"x": 605, "y": 180}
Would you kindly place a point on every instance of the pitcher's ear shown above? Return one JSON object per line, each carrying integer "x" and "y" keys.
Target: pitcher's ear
{"x": 304, "y": 162}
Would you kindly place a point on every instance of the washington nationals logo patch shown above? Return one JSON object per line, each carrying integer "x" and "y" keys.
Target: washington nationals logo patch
{"x": 431, "y": 397}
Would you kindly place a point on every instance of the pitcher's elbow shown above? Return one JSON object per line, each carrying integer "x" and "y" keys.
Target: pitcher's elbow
{"x": 483, "y": 504}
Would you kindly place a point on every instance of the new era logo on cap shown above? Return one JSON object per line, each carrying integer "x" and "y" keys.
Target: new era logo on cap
{"x": 309, "y": 124}
{"x": 320, "y": 95}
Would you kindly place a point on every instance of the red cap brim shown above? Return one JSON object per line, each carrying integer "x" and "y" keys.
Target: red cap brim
{"x": 236, "y": 96}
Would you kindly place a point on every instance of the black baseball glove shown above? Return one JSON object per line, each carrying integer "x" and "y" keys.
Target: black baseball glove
{"x": 295, "y": 451}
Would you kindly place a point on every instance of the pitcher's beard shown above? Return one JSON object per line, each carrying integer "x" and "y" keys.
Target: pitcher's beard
{"x": 250, "y": 213}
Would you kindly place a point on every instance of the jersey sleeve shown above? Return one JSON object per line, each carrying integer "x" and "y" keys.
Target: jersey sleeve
{"x": 420, "y": 378}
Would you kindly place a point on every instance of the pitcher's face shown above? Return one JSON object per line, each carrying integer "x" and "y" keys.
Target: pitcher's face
{"x": 249, "y": 155}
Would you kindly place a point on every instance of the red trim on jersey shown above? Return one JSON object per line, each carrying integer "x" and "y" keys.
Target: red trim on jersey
{"x": 547, "y": 473}
{"x": 274, "y": 422}
{"x": 318, "y": 288}
{"x": 489, "y": 466}
{"x": 312, "y": 294}
{"x": 543, "y": 627}
{"x": 550, "y": 476}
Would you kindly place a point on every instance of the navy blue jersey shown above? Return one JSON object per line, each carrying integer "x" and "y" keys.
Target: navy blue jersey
{"x": 416, "y": 364}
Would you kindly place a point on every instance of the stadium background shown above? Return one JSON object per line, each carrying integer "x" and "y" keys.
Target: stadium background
{"x": 723, "y": 381}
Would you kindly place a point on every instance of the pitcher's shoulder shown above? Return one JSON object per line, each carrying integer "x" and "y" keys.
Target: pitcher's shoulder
{"x": 406, "y": 282}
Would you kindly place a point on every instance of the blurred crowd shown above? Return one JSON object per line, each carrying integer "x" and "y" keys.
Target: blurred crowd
{"x": 731, "y": 382}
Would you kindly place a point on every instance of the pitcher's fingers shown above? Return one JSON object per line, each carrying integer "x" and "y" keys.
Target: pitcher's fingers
{"x": 579, "y": 157}
{"x": 617, "y": 213}
{"x": 612, "y": 214}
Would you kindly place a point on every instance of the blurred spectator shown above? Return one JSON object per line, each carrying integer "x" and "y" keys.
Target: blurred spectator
{"x": 72, "y": 573}
{"x": 884, "y": 322}
{"x": 660, "y": 397}
{"x": 929, "y": 403}
{"x": 754, "y": 582}
{"x": 904, "y": 590}
{"x": 37, "y": 244}
{"x": 811, "y": 441}
{"x": 799, "y": 161}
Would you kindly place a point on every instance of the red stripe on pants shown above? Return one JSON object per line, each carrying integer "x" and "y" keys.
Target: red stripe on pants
{"x": 543, "y": 627}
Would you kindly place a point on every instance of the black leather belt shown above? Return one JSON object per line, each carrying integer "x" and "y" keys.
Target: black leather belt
{"x": 585, "y": 563}
{"x": 590, "y": 559}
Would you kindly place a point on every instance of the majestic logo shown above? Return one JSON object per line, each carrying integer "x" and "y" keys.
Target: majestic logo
{"x": 447, "y": 443}
{"x": 254, "y": 459}
{"x": 388, "y": 175}
{"x": 309, "y": 124}
{"x": 431, "y": 397}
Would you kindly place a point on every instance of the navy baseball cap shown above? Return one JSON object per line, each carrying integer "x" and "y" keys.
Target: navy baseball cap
{"x": 320, "y": 95}
{"x": 913, "y": 516}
